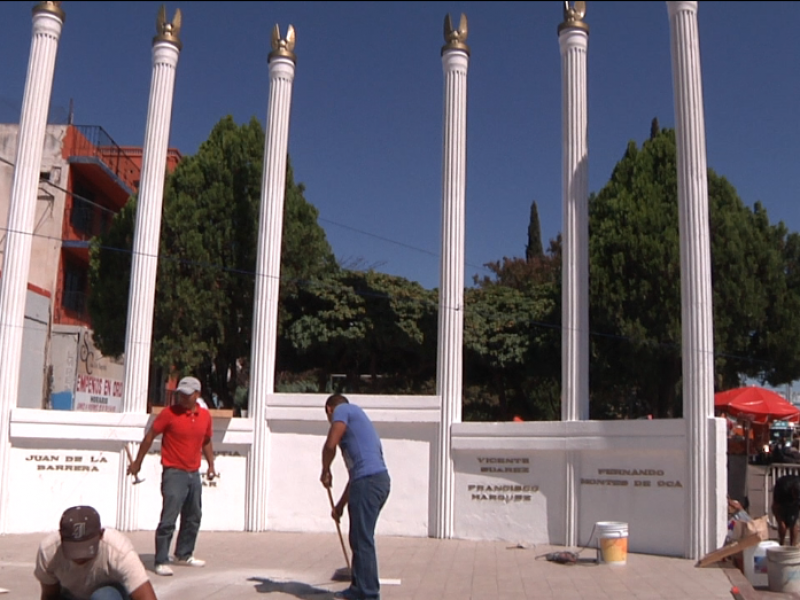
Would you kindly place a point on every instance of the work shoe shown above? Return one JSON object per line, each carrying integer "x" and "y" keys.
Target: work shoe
{"x": 163, "y": 570}
{"x": 190, "y": 561}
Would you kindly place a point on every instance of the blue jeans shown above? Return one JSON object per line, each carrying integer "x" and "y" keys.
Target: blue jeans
{"x": 181, "y": 492}
{"x": 110, "y": 592}
{"x": 367, "y": 497}
{"x": 113, "y": 591}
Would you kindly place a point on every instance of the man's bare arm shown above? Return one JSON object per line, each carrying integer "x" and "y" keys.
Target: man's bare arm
{"x": 335, "y": 434}
{"x": 208, "y": 452}
{"x": 136, "y": 465}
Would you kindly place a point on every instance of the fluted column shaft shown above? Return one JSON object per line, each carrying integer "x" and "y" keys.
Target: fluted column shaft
{"x": 268, "y": 271}
{"x": 144, "y": 267}
{"x": 47, "y": 26}
{"x": 575, "y": 202}
{"x": 449, "y": 375}
{"x": 573, "y": 44}
{"x": 696, "y": 297}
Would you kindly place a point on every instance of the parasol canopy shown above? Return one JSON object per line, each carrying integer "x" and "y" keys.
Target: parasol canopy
{"x": 760, "y": 404}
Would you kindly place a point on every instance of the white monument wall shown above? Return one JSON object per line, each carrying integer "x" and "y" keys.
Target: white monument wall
{"x": 516, "y": 495}
{"x": 60, "y": 459}
{"x": 47, "y": 479}
{"x": 297, "y": 501}
{"x": 510, "y": 478}
{"x": 223, "y": 497}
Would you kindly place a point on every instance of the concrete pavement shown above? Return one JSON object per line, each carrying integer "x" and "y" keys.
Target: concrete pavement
{"x": 300, "y": 565}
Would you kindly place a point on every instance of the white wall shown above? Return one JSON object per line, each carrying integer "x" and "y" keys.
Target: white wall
{"x": 516, "y": 496}
{"x": 629, "y": 471}
{"x": 60, "y": 459}
{"x": 521, "y": 467}
{"x": 224, "y": 497}
{"x": 297, "y": 501}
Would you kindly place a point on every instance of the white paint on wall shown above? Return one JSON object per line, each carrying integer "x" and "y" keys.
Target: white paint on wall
{"x": 48, "y": 479}
{"x": 298, "y": 502}
{"x": 517, "y": 496}
{"x": 645, "y": 489}
{"x": 521, "y": 466}
{"x": 223, "y": 498}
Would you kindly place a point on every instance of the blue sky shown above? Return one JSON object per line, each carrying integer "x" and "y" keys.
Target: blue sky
{"x": 365, "y": 134}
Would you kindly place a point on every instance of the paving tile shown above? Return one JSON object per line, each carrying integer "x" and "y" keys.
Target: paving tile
{"x": 300, "y": 565}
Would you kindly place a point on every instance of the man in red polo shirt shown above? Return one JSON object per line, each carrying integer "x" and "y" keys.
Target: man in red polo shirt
{"x": 186, "y": 430}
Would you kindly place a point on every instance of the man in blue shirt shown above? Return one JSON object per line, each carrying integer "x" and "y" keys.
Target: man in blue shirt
{"x": 366, "y": 491}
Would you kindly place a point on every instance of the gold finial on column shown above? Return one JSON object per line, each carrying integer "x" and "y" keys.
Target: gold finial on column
{"x": 52, "y": 8}
{"x": 455, "y": 38}
{"x": 573, "y": 17}
{"x": 168, "y": 32}
{"x": 283, "y": 47}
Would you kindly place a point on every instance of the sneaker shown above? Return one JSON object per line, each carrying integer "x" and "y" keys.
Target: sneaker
{"x": 346, "y": 594}
{"x": 163, "y": 570}
{"x": 190, "y": 561}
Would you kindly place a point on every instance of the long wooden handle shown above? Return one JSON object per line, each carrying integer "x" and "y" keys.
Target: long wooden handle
{"x": 338, "y": 529}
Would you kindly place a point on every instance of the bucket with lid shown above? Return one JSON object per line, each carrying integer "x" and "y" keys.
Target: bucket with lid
{"x": 612, "y": 542}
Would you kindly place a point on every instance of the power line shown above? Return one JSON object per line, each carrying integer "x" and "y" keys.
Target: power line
{"x": 363, "y": 293}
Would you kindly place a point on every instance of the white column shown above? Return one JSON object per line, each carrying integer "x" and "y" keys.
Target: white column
{"x": 48, "y": 20}
{"x": 268, "y": 273}
{"x": 449, "y": 366}
{"x": 573, "y": 42}
{"x": 147, "y": 232}
{"x": 696, "y": 298}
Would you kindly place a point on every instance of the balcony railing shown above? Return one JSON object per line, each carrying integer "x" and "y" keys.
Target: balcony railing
{"x": 92, "y": 140}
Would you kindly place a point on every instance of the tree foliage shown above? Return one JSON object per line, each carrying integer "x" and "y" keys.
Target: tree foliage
{"x": 512, "y": 339}
{"x": 534, "y": 248}
{"x": 635, "y": 287}
{"x": 109, "y": 279}
{"x": 635, "y": 301}
{"x": 365, "y": 324}
{"x": 508, "y": 350}
{"x": 207, "y": 258}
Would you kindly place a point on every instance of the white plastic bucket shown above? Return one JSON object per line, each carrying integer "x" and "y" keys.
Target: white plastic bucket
{"x": 783, "y": 569}
{"x": 754, "y": 561}
{"x": 612, "y": 542}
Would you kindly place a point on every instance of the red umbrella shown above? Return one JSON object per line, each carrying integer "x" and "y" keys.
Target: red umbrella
{"x": 763, "y": 405}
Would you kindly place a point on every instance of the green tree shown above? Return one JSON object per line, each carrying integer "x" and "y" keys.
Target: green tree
{"x": 367, "y": 323}
{"x": 109, "y": 280}
{"x": 530, "y": 290}
{"x": 506, "y": 346}
{"x": 534, "y": 248}
{"x": 635, "y": 301}
{"x": 207, "y": 258}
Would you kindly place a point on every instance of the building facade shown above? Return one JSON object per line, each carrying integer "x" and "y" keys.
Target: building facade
{"x": 85, "y": 179}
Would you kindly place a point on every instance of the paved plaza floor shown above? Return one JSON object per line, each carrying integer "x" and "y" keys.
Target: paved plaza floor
{"x": 276, "y": 566}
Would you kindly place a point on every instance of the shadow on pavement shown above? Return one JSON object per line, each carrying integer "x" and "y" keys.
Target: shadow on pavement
{"x": 294, "y": 588}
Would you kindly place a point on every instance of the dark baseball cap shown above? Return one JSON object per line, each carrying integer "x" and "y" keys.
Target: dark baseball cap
{"x": 80, "y": 532}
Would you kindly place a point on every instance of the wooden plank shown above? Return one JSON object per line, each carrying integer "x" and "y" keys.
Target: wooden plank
{"x": 726, "y": 551}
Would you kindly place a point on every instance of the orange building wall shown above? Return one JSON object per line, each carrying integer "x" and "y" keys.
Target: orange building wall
{"x": 125, "y": 163}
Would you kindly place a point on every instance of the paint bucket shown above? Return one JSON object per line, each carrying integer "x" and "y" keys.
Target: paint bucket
{"x": 754, "y": 563}
{"x": 612, "y": 542}
{"x": 783, "y": 569}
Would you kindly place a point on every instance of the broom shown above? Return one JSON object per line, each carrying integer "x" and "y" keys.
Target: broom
{"x": 345, "y": 573}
